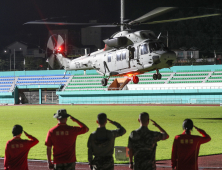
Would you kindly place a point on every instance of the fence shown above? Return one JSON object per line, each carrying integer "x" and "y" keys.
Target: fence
{"x": 49, "y": 97}
{"x": 31, "y": 97}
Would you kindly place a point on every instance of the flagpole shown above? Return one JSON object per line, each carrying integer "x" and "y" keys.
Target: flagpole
{"x": 191, "y": 57}
{"x": 215, "y": 58}
{"x": 24, "y": 64}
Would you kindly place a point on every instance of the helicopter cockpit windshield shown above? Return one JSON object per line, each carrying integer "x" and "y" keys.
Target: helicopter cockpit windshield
{"x": 157, "y": 46}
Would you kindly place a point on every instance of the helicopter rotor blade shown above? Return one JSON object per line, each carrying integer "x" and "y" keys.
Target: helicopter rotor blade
{"x": 51, "y": 60}
{"x": 60, "y": 62}
{"x": 181, "y": 19}
{"x": 50, "y": 44}
{"x": 64, "y": 23}
{"x": 154, "y": 13}
{"x": 107, "y": 25}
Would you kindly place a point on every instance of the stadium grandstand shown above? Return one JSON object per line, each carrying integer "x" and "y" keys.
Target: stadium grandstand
{"x": 179, "y": 85}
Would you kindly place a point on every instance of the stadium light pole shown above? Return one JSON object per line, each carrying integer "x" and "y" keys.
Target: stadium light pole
{"x": 14, "y": 73}
{"x": 14, "y": 77}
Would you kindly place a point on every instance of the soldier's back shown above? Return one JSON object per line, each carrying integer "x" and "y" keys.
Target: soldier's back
{"x": 144, "y": 142}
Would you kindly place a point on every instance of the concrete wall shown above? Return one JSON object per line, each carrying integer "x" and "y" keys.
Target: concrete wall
{"x": 195, "y": 96}
{"x": 7, "y": 98}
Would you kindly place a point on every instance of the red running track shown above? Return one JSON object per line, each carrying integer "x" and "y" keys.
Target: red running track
{"x": 213, "y": 162}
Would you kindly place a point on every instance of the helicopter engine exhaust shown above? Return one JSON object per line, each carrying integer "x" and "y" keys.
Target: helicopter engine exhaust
{"x": 116, "y": 42}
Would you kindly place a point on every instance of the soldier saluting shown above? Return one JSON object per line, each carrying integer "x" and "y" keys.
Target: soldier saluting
{"x": 17, "y": 149}
{"x": 101, "y": 144}
{"x": 62, "y": 138}
{"x": 142, "y": 144}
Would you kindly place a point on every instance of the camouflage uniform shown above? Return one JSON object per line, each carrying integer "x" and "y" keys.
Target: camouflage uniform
{"x": 101, "y": 146}
{"x": 65, "y": 166}
{"x": 103, "y": 163}
{"x": 143, "y": 142}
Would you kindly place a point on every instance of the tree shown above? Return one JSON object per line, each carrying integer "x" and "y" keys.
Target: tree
{"x": 204, "y": 60}
{"x": 2, "y": 64}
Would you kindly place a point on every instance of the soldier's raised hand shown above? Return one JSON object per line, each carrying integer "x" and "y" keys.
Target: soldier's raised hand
{"x": 110, "y": 121}
{"x": 71, "y": 117}
{"x": 154, "y": 123}
{"x": 195, "y": 127}
{"x": 25, "y": 133}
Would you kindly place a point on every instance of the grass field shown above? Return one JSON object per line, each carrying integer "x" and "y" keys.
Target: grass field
{"x": 37, "y": 120}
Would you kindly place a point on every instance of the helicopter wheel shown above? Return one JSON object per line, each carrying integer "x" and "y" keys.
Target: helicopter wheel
{"x": 155, "y": 76}
{"x": 135, "y": 80}
{"x": 104, "y": 81}
{"x": 159, "y": 76}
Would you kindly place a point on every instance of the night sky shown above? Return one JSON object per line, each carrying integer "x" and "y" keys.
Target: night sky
{"x": 14, "y": 13}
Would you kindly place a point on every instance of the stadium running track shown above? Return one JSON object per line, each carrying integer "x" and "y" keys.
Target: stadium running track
{"x": 212, "y": 162}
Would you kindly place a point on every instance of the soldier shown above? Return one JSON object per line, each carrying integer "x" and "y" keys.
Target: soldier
{"x": 142, "y": 144}
{"x": 63, "y": 139}
{"x": 17, "y": 149}
{"x": 101, "y": 144}
{"x": 186, "y": 147}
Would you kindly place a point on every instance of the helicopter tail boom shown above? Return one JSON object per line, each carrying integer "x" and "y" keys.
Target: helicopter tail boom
{"x": 63, "y": 62}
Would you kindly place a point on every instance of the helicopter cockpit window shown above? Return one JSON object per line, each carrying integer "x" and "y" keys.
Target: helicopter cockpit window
{"x": 157, "y": 46}
{"x": 123, "y": 55}
{"x": 109, "y": 58}
{"x": 118, "y": 56}
{"x": 144, "y": 49}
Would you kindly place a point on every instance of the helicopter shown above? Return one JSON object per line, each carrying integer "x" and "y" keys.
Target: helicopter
{"x": 126, "y": 53}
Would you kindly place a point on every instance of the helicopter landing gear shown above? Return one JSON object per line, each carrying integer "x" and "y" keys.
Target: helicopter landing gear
{"x": 135, "y": 80}
{"x": 104, "y": 81}
{"x": 157, "y": 76}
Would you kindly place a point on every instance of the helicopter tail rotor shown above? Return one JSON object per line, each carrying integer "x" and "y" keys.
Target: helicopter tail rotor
{"x": 55, "y": 46}
{"x": 51, "y": 60}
